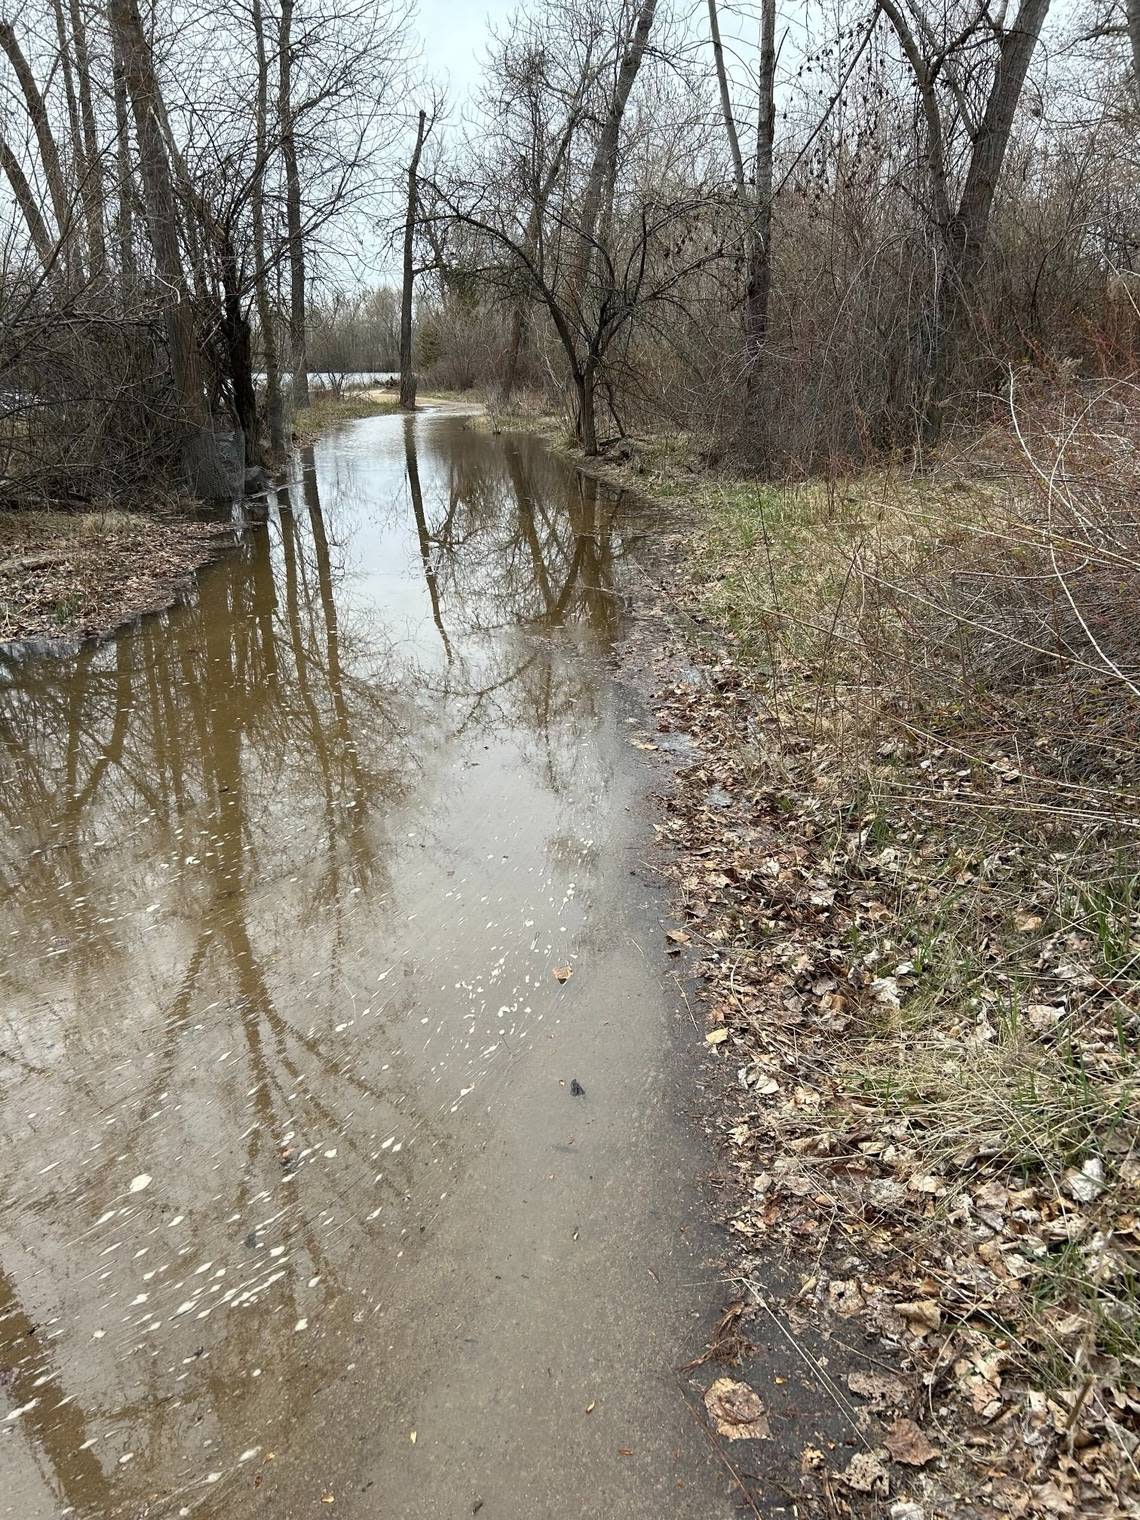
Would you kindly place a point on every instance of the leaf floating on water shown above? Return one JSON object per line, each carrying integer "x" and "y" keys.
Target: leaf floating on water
{"x": 563, "y": 973}
{"x": 737, "y": 1411}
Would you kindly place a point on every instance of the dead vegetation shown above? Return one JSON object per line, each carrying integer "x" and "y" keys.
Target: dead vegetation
{"x": 71, "y": 575}
{"x": 907, "y": 857}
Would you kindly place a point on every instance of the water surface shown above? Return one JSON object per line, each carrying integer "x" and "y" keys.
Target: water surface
{"x": 298, "y": 1209}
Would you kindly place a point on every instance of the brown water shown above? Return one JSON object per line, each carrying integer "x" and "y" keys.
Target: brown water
{"x": 298, "y": 1208}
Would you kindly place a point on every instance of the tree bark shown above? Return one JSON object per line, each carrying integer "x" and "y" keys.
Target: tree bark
{"x": 604, "y": 166}
{"x": 94, "y": 199}
{"x": 142, "y": 88}
{"x": 266, "y": 317}
{"x": 968, "y": 231}
{"x": 726, "y": 103}
{"x": 298, "y": 360}
{"x": 407, "y": 373}
{"x": 759, "y": 281}
{"x": 25, "y": 197}
{"x": 49, "y": 153}
{"x": 124, "y": 182}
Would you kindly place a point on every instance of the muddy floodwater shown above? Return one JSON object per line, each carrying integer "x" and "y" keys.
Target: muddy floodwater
{"x": 300, "y": 1213}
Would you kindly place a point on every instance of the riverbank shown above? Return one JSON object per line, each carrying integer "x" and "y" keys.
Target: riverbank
{"x": 67, "y": 576}
{"x": 903, "y": 849}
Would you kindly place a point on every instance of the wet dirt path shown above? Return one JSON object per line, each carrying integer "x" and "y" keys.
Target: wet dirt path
{"x": 300, "y": 1211}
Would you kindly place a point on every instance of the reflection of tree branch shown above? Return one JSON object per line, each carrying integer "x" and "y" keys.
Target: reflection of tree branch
{"x": 413, "y": 470}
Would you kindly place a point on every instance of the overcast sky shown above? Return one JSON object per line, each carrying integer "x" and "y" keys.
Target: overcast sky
{"x": 454, "y": 34}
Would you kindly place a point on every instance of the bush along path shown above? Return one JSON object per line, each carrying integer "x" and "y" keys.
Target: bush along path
{"x": 910, "y": 906}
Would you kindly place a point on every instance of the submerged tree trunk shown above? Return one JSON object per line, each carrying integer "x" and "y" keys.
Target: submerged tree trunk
{"x": 298, "y": 358}
{"x": 407, "y": 373}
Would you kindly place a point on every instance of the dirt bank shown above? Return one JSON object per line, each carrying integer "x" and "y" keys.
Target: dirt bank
{"x": 66, "y": 576}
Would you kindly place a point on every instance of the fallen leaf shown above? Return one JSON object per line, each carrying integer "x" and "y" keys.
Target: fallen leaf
{"x": 922, "y": 1316}
{"x": 563, "y": 973}
{"x": 590, "y": 1406}
{"x": 678, "y": 936}
{"x": 717, "y": 1036}
{"x": 1085, "y": 1182}
{"x": 906, "y": 1443}
{"x": 866, "y": 1474}
{"x": 412, "y": 1438}
{"x": 879, "y": 1387}
{"x": 736, "y": 1410}
{"x": 328, "y": 1498}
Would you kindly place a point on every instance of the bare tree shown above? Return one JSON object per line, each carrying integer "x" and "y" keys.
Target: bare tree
{"x": 936, "y": 47}
{"x": 407, "y": 373}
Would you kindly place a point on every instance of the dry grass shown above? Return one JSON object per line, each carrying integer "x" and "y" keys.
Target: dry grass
{"x": 952, "y": 661}
{"x": 67, "y": 575}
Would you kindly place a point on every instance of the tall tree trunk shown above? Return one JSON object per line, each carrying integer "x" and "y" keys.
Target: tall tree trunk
{"x": 543, "y": 191}
{"x": 599, "y": 187}
{"x": 1132, "y": 13}
{"x": 298, "y": 358}
{"x": 28, "y": 202}
{"x": 754, "y": 191}
{"x": 142, "y": 88}
{"x": 49, "y": 153}
{"x": 604, "y": 167}
{"x": 407, "y": 373}
{"x": 94, "y": 199}
{"x": 726, "y": 103}
{"x": 123, "y": 177}
{"x": 968, "y": 232}
{"x": 759, "y": 282}
{"x": 587, "y": 425}
{"x": 514, "y": 349}
{"x": 238, "y": 348}
{"x": 266, "y": 318}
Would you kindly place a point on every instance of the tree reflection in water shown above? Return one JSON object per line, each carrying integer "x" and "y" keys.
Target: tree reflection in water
{"x": 235, "y": 838}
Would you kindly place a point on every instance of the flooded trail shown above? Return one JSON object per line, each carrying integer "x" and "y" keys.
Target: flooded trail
{"x": 299, "y": 1206}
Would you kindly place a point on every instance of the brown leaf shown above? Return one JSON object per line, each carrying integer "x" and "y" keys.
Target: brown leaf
{"x": 866, "y": 1475}
{"x": 906, "y": 1443}
{"x": 879, "y": 1387}
{"x": 921, "y": 1316}
{"x": 563, "y": 973}
{"x": 678, "y": 936}
{"x": 736, "y": 1410}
